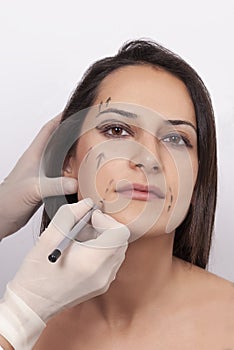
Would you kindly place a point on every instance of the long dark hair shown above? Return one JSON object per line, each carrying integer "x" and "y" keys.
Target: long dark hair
{"x": 193, "y": 237}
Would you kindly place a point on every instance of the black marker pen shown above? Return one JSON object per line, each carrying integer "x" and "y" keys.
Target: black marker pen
{"x": 53, "y": 257}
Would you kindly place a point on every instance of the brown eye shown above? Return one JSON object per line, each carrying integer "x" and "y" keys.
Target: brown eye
{"x": 117, "y": 131}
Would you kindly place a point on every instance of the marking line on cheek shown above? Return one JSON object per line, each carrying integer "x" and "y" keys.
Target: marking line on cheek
{"x": 110, "y": 182}
{"x": 87, "y": 155}
{"x": 99, "y": 157}
{"x": 171, "y": 200}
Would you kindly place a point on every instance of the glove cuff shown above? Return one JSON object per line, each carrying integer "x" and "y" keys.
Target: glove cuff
{"x": 19, "y": 324}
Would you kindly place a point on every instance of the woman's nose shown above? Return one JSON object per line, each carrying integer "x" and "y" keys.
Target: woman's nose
{"x": 146, "y": 154}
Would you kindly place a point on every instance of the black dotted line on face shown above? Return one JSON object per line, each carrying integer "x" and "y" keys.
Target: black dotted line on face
{"x": 171, "y": 200}
{"x": 110, "y": 182}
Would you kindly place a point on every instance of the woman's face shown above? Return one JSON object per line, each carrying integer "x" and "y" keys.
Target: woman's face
{"x": 138, "y": 150}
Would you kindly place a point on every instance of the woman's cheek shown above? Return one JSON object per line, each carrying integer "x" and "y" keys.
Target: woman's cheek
{"x": 180, "y": 190}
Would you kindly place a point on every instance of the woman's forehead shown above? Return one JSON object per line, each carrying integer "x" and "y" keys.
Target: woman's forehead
{"x": 149, "y": 87}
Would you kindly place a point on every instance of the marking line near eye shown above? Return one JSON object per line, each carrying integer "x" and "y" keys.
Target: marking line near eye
{"x": 100, "y": 106}
{"x": 108, "y": 100}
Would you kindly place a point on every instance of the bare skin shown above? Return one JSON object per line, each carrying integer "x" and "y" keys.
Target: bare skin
{"x": 157, "y": 301}
{"x": 5, "y": 344}
{"x": 199, "y": 316}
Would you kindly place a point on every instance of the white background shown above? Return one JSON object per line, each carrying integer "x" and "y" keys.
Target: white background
{"x": 46, "y": 46}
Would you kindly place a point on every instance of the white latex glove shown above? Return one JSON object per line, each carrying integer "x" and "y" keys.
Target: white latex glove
{"x": 40, "y": 289}
{"x": 20, "y": 193}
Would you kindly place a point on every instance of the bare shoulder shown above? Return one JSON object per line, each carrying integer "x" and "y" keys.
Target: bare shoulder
{"x": 205, "y": 284}
{"x": 211, "y": 301}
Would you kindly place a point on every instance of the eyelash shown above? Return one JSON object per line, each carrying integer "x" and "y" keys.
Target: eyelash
{"x": 184, "y": 139}
{"x": 105, "y": 128}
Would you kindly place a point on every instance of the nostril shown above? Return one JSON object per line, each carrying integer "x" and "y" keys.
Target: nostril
{"x": 139, "y": 165}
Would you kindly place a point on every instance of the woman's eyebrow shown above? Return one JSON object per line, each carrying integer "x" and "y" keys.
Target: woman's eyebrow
{"x": 181, "y": 122}
{"x": 134, "y": 115}
{"x": 118, "y": 111}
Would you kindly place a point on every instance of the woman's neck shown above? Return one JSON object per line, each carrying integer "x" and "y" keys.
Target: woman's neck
{"x": 145, "y": 277}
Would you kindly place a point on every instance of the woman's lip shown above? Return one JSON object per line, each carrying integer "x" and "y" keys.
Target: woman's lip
{"x": 141, "y": 192}
{"x": 140, "y": 195}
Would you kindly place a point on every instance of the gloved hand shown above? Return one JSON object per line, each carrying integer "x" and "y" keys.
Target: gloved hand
{"x": 20, "y": 193}
{"x": 40, "y": 289}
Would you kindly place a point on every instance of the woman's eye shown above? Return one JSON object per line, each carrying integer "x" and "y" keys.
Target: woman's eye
{"x": 177, "y": 140}
{"x": 115, "y": 131}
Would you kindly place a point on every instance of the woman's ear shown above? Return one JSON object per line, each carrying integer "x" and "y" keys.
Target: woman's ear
{"x": 69, "y": 168}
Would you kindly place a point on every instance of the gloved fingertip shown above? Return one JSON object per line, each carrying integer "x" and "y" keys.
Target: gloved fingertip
{"x": 124, "y": 234}
{"x": 104, "y": 216}
{"x": 97, "y": 212}
{"x": 114, "y": 237}
{"x": 69, "y": 185}
{"x": 88, "y": 201}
